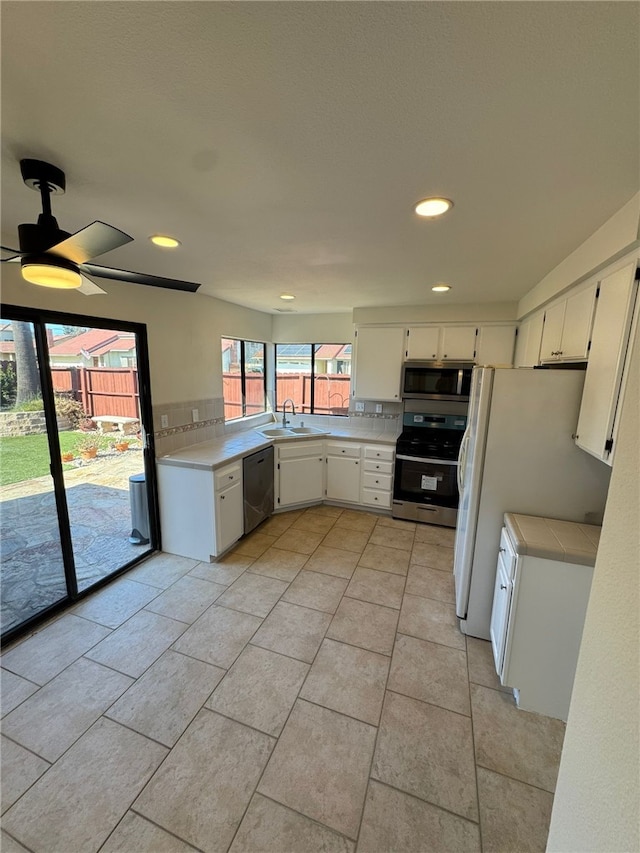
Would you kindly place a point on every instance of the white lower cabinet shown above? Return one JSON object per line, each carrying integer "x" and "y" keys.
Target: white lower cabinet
{"x": 343, "y": 471}
{"x": 377, "y": 476}
{"x": 201, "y": 511}
{"x": 299, "y": 472}
{"x": 229, "y": 517}
{"x": 539, "y": 607}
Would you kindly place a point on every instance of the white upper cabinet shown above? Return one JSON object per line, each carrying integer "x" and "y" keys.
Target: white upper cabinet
{"x": 567, "y": 327}
{"x": 528, "y": 341}
{"x": 495, "y": 345}
{"x": 458, "y": 343}
{"x": 423, "y": 342}
{"x": 378, "y": 364}
{"x": 604, "y": 380}
{"x": 441, "y": 343}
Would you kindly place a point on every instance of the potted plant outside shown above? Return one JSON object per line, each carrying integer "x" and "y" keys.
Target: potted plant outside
{"x": 121, "y": 445}
{"x": 67, "y": 457}
{"x": 87, "y": 448}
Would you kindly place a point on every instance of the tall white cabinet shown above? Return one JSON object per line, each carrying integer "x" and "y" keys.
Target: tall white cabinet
{"x": 604, "y": 381}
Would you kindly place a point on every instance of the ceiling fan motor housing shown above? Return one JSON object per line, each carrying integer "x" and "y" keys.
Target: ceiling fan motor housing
{"x": 36, "y": 238}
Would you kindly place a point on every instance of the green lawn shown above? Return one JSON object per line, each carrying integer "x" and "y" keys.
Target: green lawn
{"x": 25, "y": 457}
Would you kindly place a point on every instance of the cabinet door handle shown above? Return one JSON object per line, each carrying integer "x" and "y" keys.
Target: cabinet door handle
{"x": 356, "y": 462}
{"x": 434, "y": 355}
{"x": 501, "y": 549}
{"x": 377, "y": 481}
{"x": 503, "y": 586}
{"x": 222, "y": 497}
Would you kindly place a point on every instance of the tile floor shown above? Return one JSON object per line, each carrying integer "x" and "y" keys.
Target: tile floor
{"x": 309, "y": 692}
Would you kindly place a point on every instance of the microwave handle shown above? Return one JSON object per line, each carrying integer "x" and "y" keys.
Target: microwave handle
{"x": 462, "y": 459}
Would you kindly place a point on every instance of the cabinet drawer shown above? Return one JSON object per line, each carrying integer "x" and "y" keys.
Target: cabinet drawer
{"x": 335, "y": 448}
{"x": 507, "y": 552}
{"x": 227, "y": 476}
{"x": 371, "y": 497}
{"x": 384, "y": 453}
{"x": 300, "y": 449}
{"x": 378, "y": 467}
{"x": 376, "y": 481}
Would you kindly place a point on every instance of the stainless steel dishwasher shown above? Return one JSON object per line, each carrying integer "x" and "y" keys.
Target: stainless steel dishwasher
{"x": 257, "y": 473}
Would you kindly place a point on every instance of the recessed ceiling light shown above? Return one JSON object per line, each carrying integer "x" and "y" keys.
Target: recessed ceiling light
{"x": 287, "y": 296}
{"x": 432, "y": 206}
{"x": 165, "y": 241}
{"x": 441, "y": 288}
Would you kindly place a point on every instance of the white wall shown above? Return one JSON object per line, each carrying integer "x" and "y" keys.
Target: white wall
{"x": 618, "y": 235}
{"x": 465, "y": 313}
{"x": 312, "y": 328}
{"x": 184, "y": 329}
{"x": 596, "y": 806}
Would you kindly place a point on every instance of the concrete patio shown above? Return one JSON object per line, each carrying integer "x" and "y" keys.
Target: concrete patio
{"x": 100, "y": 518}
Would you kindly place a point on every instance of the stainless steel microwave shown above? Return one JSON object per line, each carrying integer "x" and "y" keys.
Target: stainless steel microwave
{"x": 436, "y": 380}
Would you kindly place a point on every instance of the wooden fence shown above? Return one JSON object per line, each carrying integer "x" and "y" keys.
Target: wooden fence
{"x": 101, "y": 390}
{"x": 331, "y": 393}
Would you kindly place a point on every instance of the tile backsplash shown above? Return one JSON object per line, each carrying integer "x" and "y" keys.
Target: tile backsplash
{"x": 183, "y": 432}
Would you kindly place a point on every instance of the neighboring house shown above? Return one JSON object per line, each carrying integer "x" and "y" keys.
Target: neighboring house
{"x": 95, "y": 348}
{"x": 329, "y": 358}
{"x": 7, "y": 350}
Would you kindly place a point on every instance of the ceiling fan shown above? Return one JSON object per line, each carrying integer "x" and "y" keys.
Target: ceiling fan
{"x": 52, "y": 257}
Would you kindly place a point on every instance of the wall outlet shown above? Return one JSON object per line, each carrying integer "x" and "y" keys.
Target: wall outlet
{"x": 359, "y": 406}
{"x": 164, "y": 421}
{"x": 195, "y": 415}
{"x": 378, "y": 408}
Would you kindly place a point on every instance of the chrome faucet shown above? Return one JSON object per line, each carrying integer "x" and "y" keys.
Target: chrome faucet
{"x": 284, "y": 412}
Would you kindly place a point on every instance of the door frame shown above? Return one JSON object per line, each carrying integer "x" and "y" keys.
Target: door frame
{"x": 39, "y": 318}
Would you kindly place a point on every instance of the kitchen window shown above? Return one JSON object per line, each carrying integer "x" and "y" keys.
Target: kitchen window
{"x": 317, "y": 377}
{"x": 244, "y": 382}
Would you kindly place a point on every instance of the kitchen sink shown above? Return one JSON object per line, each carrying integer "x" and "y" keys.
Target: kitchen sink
{"x": 308, "y": 431}
{"x": 291, "y": 432}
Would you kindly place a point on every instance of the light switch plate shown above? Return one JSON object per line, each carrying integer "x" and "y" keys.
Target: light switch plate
{"x": 195, "y": 415}
{"x": 359, "y": 406}
{"x": 164, "y": 421}
{"x": 378, "y": 408}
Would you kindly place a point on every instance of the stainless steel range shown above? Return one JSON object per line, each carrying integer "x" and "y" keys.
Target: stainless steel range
{"x": 425, "y": 486}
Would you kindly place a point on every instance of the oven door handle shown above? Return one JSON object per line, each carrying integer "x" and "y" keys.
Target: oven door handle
{"x": 462, "y": 460}
{"x": 424, "y": 459}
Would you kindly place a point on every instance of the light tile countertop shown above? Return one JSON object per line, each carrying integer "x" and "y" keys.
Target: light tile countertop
{"x": 212, "y": 454}
{"x": 550, "y": 538}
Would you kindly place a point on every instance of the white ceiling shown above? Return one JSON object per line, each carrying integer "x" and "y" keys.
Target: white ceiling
{"x": 285, "y": 143}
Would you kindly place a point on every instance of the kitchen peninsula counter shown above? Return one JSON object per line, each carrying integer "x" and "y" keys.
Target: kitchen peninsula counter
{"x": 553, "y": 539}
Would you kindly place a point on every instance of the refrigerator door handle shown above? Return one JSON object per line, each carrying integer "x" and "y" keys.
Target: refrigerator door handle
{"x": 462, "y": 460}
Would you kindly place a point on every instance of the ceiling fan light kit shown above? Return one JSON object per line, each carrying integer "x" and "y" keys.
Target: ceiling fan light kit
{"x": 60, "y": 273}
{"x": 51, "y": 257}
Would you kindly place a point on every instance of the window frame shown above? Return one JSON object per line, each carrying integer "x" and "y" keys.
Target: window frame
{"x": 243, "y": 378}
{"x": 312, "y": 374}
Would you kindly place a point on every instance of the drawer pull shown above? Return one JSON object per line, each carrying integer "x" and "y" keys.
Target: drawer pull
{"x": 503, "y": 586}
{"x": 501, "y": 549}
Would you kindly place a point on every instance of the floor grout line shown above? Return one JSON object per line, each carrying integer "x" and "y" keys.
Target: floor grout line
{"x": 298, "y": 698}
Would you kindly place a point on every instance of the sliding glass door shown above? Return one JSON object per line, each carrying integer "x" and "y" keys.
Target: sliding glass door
{"x": 33, "y": 569}
{"x": 77, "y": 494}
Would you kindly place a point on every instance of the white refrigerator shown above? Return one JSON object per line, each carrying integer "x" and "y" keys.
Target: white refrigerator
{"x": 517, "y": 455}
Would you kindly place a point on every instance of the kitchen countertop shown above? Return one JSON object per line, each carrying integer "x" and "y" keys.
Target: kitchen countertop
{"x": 212, "y": 454}
{"x": 550, "y": 538}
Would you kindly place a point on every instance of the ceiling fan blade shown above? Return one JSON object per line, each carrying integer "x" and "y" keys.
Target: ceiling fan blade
{"x": 14, "y": 252}
{"x": 89, "y": 288}
{"x": 141, "y": 278}
{"x": 94, "y": 240}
